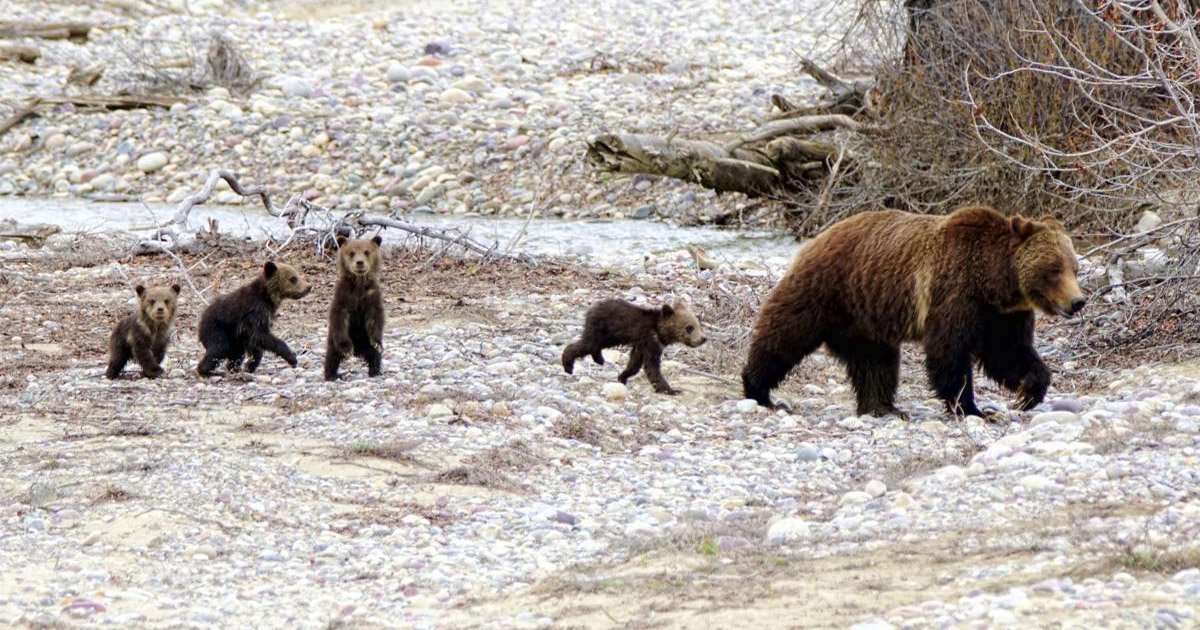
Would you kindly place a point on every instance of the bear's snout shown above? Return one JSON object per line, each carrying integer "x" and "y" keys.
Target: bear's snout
{"x": 1076, "y": 305}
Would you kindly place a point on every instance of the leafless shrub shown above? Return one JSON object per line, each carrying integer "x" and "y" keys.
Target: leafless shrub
{"x": 489, "y": 469}
{"x": 397, "y": 451}
{"x": 187, "y": 63}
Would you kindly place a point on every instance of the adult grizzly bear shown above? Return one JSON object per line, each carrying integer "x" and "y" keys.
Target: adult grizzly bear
{"x": 239, "y": 323}
{"x": 356, "y": 313}
{"x": 966, "y": 284}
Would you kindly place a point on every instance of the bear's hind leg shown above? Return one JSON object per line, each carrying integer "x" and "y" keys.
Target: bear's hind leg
{"x": 777, "y": 347}
{"x": 635, "y": 365}
{"x": 874, "y": 372}
{"x": 119, "y": 357}
{"x": 572, "y": 353}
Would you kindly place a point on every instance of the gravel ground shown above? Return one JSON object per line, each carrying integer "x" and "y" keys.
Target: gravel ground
{"x": 475, "y": 484}
{"x": 475, "y": 468}
{"x": 413, "y": 106}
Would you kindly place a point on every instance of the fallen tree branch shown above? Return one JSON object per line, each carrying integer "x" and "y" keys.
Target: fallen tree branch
{"x": 705, "y": 163}
{"x": 792, "y": 126}
{"x": 12, "y": 29}
{"x": 24, "y": 54}
{"x": 22, "y": 113}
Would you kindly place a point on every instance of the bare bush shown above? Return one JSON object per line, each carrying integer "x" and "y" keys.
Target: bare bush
{"x": 181, "y": 64}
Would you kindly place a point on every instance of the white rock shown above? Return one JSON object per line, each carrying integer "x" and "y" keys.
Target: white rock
{"x": 787, "y": 530}
{"x": 746, "y": 405}
{"x": 614, "y": 392}
{"x": 875, "y": 488}
{"x": 152, "y": 162}
{"x": 854, "y": 497}
{"x": 1037, "y": 482}
{"x": 296, "y": 86}
{"x": 852, "y": 423}
{"x": 455, "y": 95}
{"x": 438, "y": 410}
{"x": 1147, "y": 222}
{"x": 1061, "y": 417}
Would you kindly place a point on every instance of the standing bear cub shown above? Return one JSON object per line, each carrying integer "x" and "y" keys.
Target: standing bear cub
{"x": 239, "y": 323}
{"x": 356, "y": 314}
{"x": 966, "y": 284}
{"x": 645, "y": 330}
{"x": 144, "y": 336}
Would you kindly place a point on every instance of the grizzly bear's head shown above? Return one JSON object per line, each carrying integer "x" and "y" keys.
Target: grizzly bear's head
{"x": 284, "y": 281}
{"x": 677, "y": 324}
{"x": 157, "y": 304}
{"x": 358, "y": 258}
{"x": 1046, "y": 266}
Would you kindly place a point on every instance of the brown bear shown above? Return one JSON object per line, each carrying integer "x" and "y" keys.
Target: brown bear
{"x": 356, "y": 314}
{"x": 144, "y": 336}
{"x": 239, "y": 323}
{"x": 966, "y": 284}
{"x": 645, "y": 330}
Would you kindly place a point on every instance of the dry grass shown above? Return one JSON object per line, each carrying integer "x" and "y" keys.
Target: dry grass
{"x": 492, "y": 468}
{"x": 898, "y": 473}
{"x": 580, "y": 430}
{"x": 1164, "y": 562}
{"x": 396, "y": 451}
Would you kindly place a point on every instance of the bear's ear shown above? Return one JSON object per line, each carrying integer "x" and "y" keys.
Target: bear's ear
{"x": 269, "y": 269}
{"x": 341, "y": 240}
{"x": 139, "y": 289}
{"x": 668, "y": 310}
{"x": 1051, "y": 222}
{"x": 1022, "y": 227}
{"x": 176, "y": 289}
{"x": 378, "y": 240}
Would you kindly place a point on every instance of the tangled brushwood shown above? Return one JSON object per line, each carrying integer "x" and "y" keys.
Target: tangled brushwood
{"x": 1080, "y": 109}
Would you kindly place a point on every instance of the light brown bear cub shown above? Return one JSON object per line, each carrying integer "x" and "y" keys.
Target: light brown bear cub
{"x": 144, "y": 336}
{"x": 645, "y": 330}
{"x": 356, "y": 314}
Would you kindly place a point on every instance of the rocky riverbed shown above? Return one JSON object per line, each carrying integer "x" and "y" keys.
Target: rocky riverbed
{"x": 434, "y": 107}
{"x": 476, "y": 484}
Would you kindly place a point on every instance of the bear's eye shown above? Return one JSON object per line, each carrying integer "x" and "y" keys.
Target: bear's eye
{"x": 690, "y": 328}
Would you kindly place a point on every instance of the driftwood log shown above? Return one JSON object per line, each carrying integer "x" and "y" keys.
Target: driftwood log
{"x": 103, "y": 102}
{"x": 17, "y": 52}
{"x": 15, "y": 29}
{"x": 795, "y": 148}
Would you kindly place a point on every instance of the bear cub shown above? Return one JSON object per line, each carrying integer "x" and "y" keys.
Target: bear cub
{"x": 239, "y": 323}
{"x": 645, "y": 330}
{"x": 144, "y": 336}
{"x": 356, "y": 314}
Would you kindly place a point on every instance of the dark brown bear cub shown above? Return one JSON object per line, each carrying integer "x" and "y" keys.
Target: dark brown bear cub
{"x": 145, "y": 335}
{"x": 356, "y": 315}
{"x": 966, "y": 285}
{"x": 239, "y": 323}
{"x": 645, "y": 330}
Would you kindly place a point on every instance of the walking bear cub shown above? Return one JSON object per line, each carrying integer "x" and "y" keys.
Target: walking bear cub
{"x": 966, "y": 284}
{"x": 356, "y": 314}
{"x": 239, "y": 323}
{"x": 144, "y": 336}
{"x": 645, "y": 330}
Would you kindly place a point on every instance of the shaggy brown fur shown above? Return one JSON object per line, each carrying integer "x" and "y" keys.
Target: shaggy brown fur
{"x": 144, "y": 336}
{"x": 239, "y": 323}
{"x": 356, "y": 314}
{"x": 646, "y": 330}
{"x": 966, "y": 284}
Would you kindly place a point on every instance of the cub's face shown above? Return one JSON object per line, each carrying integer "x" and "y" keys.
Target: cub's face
{"x": 682, "y": 326}
{"x": 1047, "y": 267}
{"x": 359, "y": 258}
{"x": 158, "y": 303}
{"x": 285, "y": 281}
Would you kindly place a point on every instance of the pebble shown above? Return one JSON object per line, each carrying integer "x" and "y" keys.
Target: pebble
{"x": 614, "y": 392}
{"x": 152, "y": 162}
{"x": 788, "y": 530}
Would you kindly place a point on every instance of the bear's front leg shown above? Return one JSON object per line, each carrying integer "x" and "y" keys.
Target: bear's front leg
{"x": 948, "y": 364}
{"x": 145, "y": 358}
{"x": 653, "y": 364}
{"x": 1009, "y": 358}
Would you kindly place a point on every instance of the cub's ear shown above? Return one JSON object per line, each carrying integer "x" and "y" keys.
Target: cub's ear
{"x": 269, "y": 269}
{"x": 668, "y": 310}
{"x": 1022, "y": 227}
{"x": 139, "y": 289}
{"x": 378, "y": 240}
{"x": 341, "y": 240}
{"x": 176, "y": 289}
